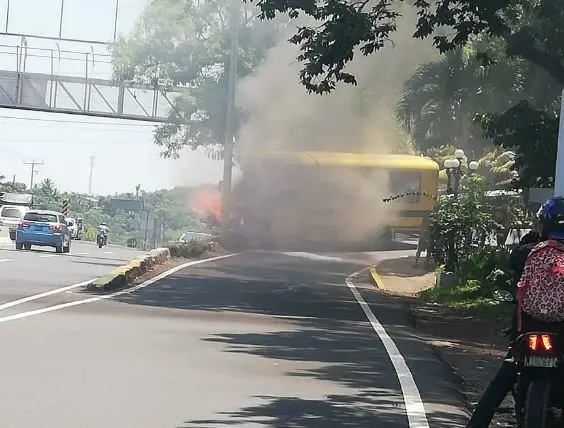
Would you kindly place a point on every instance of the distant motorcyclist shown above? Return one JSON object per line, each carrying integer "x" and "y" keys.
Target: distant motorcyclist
{"x": 102, "y": 231}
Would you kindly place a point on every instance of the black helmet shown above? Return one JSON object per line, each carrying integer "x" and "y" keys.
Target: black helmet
{"x": 550, "y": 219}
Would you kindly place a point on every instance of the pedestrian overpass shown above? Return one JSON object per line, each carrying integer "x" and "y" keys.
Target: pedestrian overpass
{"x": 82, "y": 92}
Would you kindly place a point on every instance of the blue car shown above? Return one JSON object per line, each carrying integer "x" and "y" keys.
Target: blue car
{"x": 45, "y": 229}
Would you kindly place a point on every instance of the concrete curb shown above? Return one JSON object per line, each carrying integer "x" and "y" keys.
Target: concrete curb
{"x": 376, "y": 278}
{"x": 126, "y": 274}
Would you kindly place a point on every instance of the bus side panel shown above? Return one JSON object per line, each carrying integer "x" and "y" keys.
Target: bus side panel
{"x": 410, "y": 216}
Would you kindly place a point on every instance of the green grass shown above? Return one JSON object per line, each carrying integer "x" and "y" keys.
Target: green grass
{"x": 470, "y": 297}
{"x": 190, "y": 249}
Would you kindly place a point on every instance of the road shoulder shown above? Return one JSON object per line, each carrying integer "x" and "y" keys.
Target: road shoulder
{"x": 466, "y": 340}
{"x": 440, "y": 388}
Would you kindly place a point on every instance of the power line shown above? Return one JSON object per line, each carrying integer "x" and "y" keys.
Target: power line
{"x": 79, "y": 122}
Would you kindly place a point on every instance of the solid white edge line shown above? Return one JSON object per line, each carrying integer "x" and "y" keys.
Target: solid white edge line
{"x": 117, "y": 293}
{"x": 416, "y": 416}
{"x": 41, "y": 295}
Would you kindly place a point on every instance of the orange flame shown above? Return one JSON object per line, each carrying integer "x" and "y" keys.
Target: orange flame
{"x": 207, "y": 203}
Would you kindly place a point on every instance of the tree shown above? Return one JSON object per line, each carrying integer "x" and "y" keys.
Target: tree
{"x": 170, "y": 207}
{"x": 47, "y": 187}
{"x": 513, "y": 100}
{"x": 180, "y": 42}
{"x": 534, "y": 134}
{"x": 340, "y": 29}
{"x": 441, "y": 98}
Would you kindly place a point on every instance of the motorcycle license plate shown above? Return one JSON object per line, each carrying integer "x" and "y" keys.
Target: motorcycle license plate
{"x": 538, "y": 361}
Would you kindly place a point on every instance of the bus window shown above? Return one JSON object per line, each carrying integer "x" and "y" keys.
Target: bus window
{"x": 406, "y": 182}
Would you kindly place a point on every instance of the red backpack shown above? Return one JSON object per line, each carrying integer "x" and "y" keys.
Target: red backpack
{"x": 541, "y": 288}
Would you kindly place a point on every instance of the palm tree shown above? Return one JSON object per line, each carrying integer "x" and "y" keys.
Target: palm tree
{"x": 441, "y": 98}
{"x": 47, "y": 187}
{"x": 497, "y": 166}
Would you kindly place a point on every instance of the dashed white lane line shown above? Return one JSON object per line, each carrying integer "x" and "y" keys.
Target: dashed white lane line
{"x": 48, "y": 256}
{"x": 39, "y": 296}
{"x": 109, "y": 252}
{"x": 98, "y": 298}
{"x": 81, "y": 254}
{"x": 5, "y": 260}
{"x": 414, "y": 408}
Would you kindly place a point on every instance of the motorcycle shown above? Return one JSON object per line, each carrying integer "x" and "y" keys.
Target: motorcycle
{"x": 101, "y": 239}
{"x": 539, "y": 357}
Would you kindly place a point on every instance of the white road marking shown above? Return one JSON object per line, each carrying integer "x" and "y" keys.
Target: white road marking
{"x": 5, "y": 260}
{"x": 81, "y": 254}
{"x": 107, "y": 296}
{"x": 48, "y": 256}
{"x": 414, "y": 408}
{"x": 40, "y": 296}
{"x": 108, "y": 252}
{"x": 312, "y": 256}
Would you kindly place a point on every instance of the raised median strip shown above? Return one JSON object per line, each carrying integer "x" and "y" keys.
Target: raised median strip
{"x": 124, "y": 275}
{"x": 376, "y": 279}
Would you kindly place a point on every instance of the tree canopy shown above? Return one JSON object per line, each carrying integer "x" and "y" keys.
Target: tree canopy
{"x": 340, "y": 29}
{"x": 498, "y": 80}
{"x": 187, "y": 43}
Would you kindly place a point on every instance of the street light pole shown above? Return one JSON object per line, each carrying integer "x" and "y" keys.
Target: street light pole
{"x": 230, "y": 120}
{"x": 454, "y": 171}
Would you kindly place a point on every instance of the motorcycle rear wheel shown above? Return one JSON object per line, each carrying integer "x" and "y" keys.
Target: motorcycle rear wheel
{"x": 537, "y": 411}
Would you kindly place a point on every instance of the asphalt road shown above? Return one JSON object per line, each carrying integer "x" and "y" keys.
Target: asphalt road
{"x": 24, "y": 273}
{"x": 260, "y": 339}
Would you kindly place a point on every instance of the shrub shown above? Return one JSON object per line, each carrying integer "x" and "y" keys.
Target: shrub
{"x": 489, "y": 267}
{"x": 462, "y": 225}
{"x": 191, "y": 249}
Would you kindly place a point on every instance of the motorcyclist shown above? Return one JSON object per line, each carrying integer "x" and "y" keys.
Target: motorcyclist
{"x": 546, "y": 226}
{"x": 103, "y": 230}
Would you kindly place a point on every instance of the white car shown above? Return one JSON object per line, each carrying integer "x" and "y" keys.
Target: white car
{"x": 10, "y": 217}
{"x": 194, "y": 236}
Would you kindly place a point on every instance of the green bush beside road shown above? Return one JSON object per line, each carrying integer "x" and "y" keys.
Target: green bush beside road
{"x": 191, "y": 249}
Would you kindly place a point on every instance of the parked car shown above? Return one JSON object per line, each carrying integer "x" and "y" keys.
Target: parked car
{"x": 195, "y": 236}
{"x": 75, "y": 227}
{"x": 10, "y": 216}
{"x": 43, "y": 228}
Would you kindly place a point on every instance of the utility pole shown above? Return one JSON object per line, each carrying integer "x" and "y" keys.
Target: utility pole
{"x": 92, "y": 158}
{"x": 559, "y": 174}
{"x": 33, "y": 171}
{"x": 230, "y": 119}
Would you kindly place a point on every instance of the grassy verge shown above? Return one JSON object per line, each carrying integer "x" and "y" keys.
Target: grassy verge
{"x": 191, "y": 249}
{"x": 469, "y": 297}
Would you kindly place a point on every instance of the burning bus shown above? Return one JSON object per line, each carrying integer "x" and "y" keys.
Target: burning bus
{"x": 357, "y": 200}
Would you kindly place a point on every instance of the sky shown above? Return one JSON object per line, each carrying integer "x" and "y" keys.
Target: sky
{"x": 124, "y": 152}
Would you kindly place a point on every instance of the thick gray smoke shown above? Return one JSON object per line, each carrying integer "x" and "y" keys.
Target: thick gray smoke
{"x": 283, "y": 116}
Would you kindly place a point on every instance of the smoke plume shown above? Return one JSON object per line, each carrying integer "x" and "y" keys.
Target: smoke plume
{"x": 283, "y": 116}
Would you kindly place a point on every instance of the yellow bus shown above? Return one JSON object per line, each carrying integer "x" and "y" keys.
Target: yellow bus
{"x": 300, "y": 198}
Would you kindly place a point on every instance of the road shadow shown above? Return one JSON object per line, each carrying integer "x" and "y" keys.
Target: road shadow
{"x": 348, "y": 353}
{"x": 334, "y": 411}
{"x": 281, "y": 289}
{"x": 326, "y": 337}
